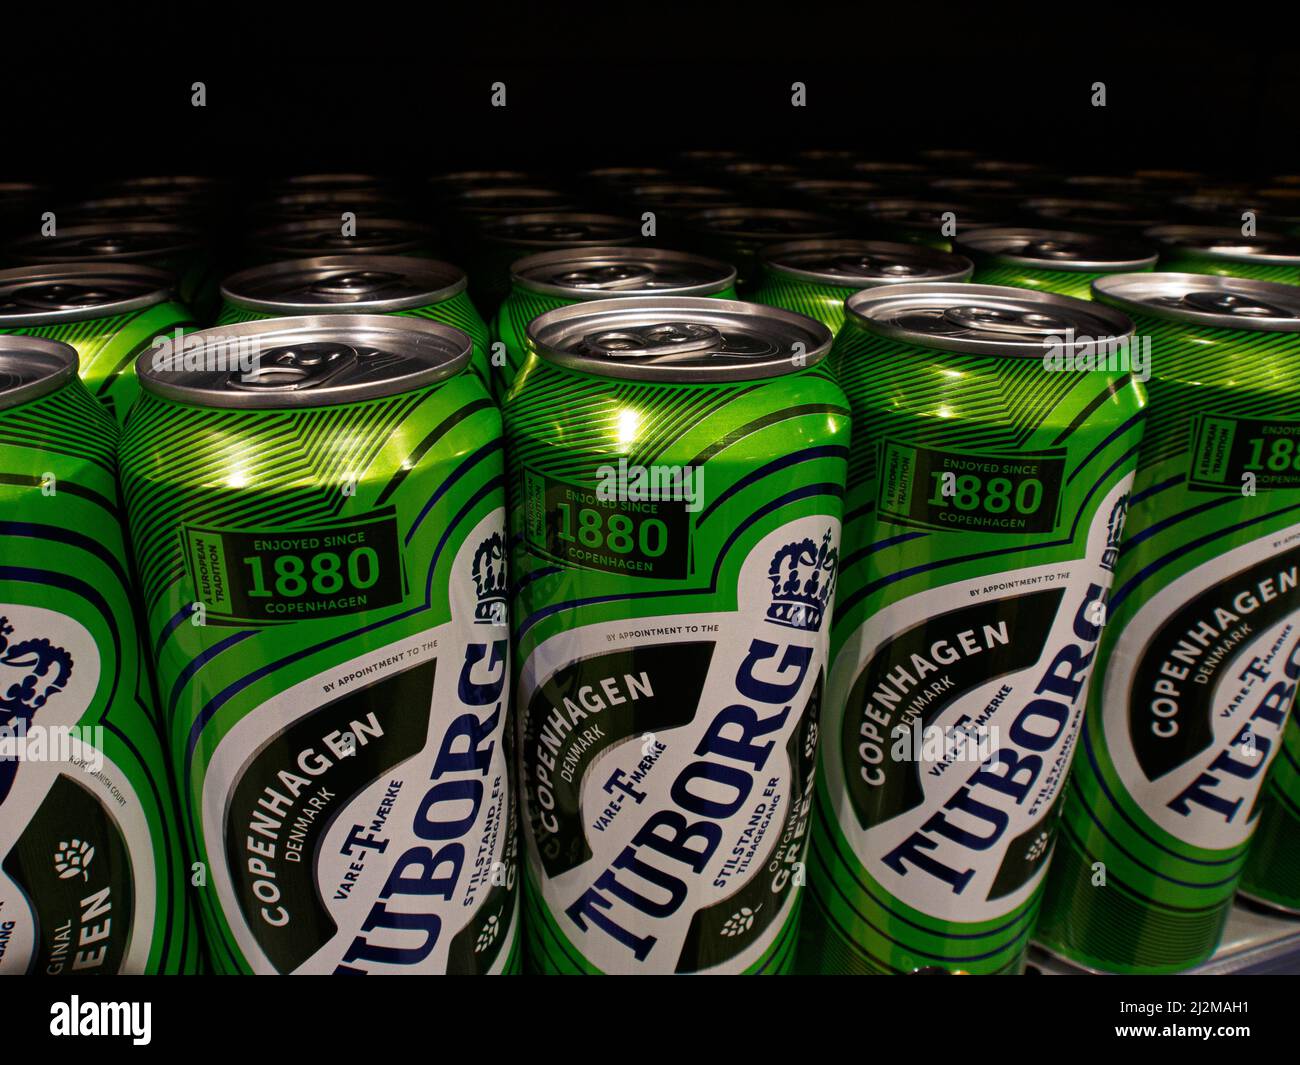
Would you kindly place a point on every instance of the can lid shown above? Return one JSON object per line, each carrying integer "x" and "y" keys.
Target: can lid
{"x": 75, "y": 292}
{"x": 1121, "y": 183}
{"x": 679, "y": 339}
{"x": 332, "y": 180}
{"x": 983, "y": 188}
{"x": 1205, "y": 299}
{"x": 314, "y": 361}
{"x": 598, "y": 273}
{"x": 863, "y": 263}
{"x": 31, "y": 367}
{"x": 359, "y": 284}
{"x": 837, "y": 193}
{"x": 627, "y": 175}
{"x": 984, "y": 319}
{"x": 927, "y": 215}
{"x": 1057, "y": 249}
{"x": 133, "y": 207}
{"x": 1102, "y": 213}
{"x": 679, "y": 196}
{"x": 325, "y": 203}
{"x": 455, "y": 180}
{"x": 107, "y": 241}
{"x": 878, "y": 167}
{"x": 322, "y": 236}
{"x": 560, "y": 229}
{"x": 1227, "y": 244}
{"x": 170, "y": 184}
{"x": 765, "y": 223}
{"x": 491, "y": 200}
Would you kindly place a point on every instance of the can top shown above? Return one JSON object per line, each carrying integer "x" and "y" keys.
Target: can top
{"x": 678, "y": 339}
{"x": 863, "y": 263}
{"x": 322, "y": 236}
{"x": 765, "y": 223}
{"x": 837, "y": 194}
{"x": 987, "y": 188}
{"x": 111, "y": 241}
{"x": 491, "y": 200}
{"x": 314, "y": 361}
{"x": 927, "y": 215}
{"x": 1102, "y": 213}
{"x": 1121, "y": 183}
{"x": 455, "y": 180}
{"x": 333, "y": 180}
{"x": 31, "y": 367}
{"x": 1227, "y": 244}
{"x": 877, "y": 167}
{"x": 1205, "y": 299}
{"x": 761, "y": 170}
{"x": 628, "y": 175}
{"x": 1057, "y": 249}
{"x": 598, "y": 273}
{"x": 75, "y": 292}
{"x": 134, "y": 207}
{"x": 679, "y": 196}
{"x": 983, "y": 319}
{"x": 323, "y": 203}
{"x": 359, "y": 284}
{"x": 170, "y": 184}
{"x": 560, "y": 229}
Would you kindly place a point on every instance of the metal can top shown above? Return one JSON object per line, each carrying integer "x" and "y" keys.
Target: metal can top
{"x": 762, "y": 171}
{"x": 455, "y": 180}
{"x": 1114, "y": 214}
{"x": 837, "y": 193}
{"x": 490, "y": 201}
{"x": 357, "y": 284}
{"x": 314, "y": 361}
{"x": 323, "y": 203}
{"x": 1205, "y": 299}
{"x": 765, "y": 223}
{"x": 983, "y": 319}
{"x": 31, "y": 367}
{"x": 928, "y": 215}
{"x": 627, "y": 176}
{"x": 1160, "y": 176}
{"x": 1124, "y": 184}
{"x": 679, "y": 339}
{"x": 598, "y": 273}
{"x": 863, "y": 263}
{"x": 679, "y": 196}
{"x": 190, "y": 185}
{"x": 885, "y": 167}
{"x": 76, "y": 292}
{"x": 1228, "y": 245}
{"x": 979, "y": 188}
{"x": 1008, "y": 166}
{"x": 136, "y": 207}
{"x": 108, "y": 241}
{"x": 1057, "y": 249}
{"x": 333, "y": 181}
{"x": 948, "y": 155}
{"x": 322, "y": 236}
{"x": 560, "y": 229}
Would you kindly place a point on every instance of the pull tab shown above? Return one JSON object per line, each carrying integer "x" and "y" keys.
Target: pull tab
{"x": 661, "y": 339}
{"x": 353, "y": 284}
{"x": 59, "y": 296}
{"x": 1053, "y": 250}
{"x": 997, "y": 320}
{"x": 607, "y": 277}
{"x": 1231, "y": 303}
{"x": 295, "y": 367}
{"x": 872, "y": 266}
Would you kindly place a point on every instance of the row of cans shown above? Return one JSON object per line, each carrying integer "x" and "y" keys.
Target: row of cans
{"x": 323, "y": 506}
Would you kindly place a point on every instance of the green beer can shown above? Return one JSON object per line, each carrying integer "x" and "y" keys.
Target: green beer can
{"x": 91, "y": 872}
{"x": 932, "y": 222}
{"x": 315, "y": 237}
{"x": 816, "y": 277}
{"x": 175, "y": 248}
{"x": 541, "y": 283}
{"x": 1272, "y": 872}
{"x": 737, "y": 235}
{"x": 317, "y": 511}
{"x": 676, "y": 472}
{"x": 1196, "y": 674}
{"x": 1225, "y": 252}
{"x": 1051, "y": 260}
{"x": 109, "y": 312}
{"x": 986, "y": 491}
{"x": 357, "y": 284}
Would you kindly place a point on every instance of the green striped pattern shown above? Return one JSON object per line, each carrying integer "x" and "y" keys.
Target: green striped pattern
{"x": 1166, "y": 896}
{"x": 107, "y": 348}
{"x": 1195, "y": 264}
{"x": 823, "y": 302}
{"x": 456, "y": 311}
{"x": 772, "y": 452}
{"x": 1272, "y": 872}
{"x": 65, "y": 552}
{"x": 1076, "y": 283}
{"x": 986, "y": 407}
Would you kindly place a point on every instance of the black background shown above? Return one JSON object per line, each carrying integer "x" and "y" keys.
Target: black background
{"x": 391, "y": 89}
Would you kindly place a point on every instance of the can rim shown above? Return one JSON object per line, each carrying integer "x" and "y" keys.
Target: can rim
{"x": 299, "y": 330}
{"x": 952, "y": 262}
{"x": 972, "y": 241}
{"x": 1175, "y": 236}
{"x": 725, "y": 280}
{"x": 497, "y": 230}
{"x": 632, "y": 307}
{"x": 52, "y": 381}
{"x": 405, "y": 264}
{"x": 164, "y": 281}
{"x": 1110, "y": 291}
{"x": 414, "y": 235}
{"x": 1119, "y": 323}
{"x": 189, "y": 239}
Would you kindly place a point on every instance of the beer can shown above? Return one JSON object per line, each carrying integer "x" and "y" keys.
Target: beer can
{"x": 1226, "y": 252}
{"x": 1051, "y": 260}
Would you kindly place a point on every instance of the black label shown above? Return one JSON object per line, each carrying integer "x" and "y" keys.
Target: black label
{"x": 957, "y": 490}
{"x": 1171, "y": 700}
{"x": 277, "y": 575}
{"x": 575, "y": 525}
{"x": 1229, "y": 454}
{"x": 289, "y": 793}
{"x": 585, "y": 709}
{"x": 73, "y": 865}
{"x": 913, "y": 677}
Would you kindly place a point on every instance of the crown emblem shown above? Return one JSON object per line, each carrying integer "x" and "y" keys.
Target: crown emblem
{"x": 489, "y": 571}
{"x": 1114, "y": 532}
{"x": 803, "y": 581}
{"x": 47, "y": 670}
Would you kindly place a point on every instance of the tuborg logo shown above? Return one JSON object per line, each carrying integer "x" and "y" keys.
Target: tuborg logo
{"x": 803, "y": 580}
{"x": 48, "y": 670}
{"x": 1114, "y": 531}
{"x": 489, "y": 572}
